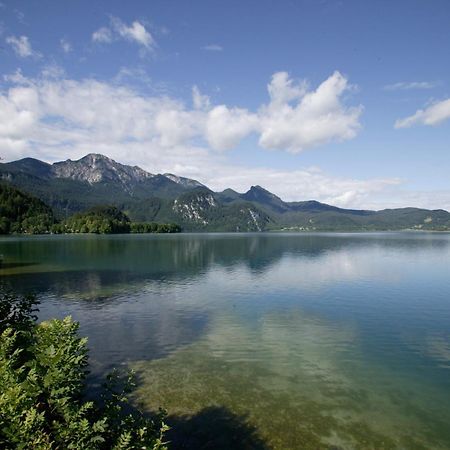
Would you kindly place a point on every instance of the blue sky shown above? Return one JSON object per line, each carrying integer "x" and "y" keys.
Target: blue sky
{"x": 347, "y": 102}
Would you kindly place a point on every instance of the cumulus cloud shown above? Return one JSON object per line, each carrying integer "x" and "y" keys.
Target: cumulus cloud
{"x": 21, "y": 46}
{"x": 136, "y": 32}
{"x": 433, "y": 115}
{"x": 406, "y": 86}
{"x": 226, "y": 127}
{"x": 282, "y": 89}
{"x": 294, "y": 119}
{"x": 297, "y": 119}
{"x": 63, "y": 113}
{"x": 53, "y": 118}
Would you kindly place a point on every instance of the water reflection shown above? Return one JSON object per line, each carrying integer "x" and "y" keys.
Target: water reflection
{"x": 140, "y": 258}
{"x": 299, "y": 340}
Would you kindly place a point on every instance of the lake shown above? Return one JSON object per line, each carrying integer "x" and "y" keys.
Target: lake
{"x": 262, "y": 341}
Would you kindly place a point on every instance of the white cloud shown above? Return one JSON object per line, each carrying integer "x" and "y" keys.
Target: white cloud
{"x": 282, "y": 89}
{"x": 22, "y": 46}
{"x": 406, "y": 86}
{"x": 175, "y": 126}
{"x": 213, "y": 48}
{"x": 78, "y": 114}
{"x": 297, "y": 119}
{"x": 66, "y": 46}
{"x": 314, "y": 117}
{"x": 434, "y": 114}
{"x": 102, "y": 35}
{"x": 226, "y": 127}
{"x": 136, "y": 32}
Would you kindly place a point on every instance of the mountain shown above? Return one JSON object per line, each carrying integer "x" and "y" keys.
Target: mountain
{"x": 73, "y": 186}
{"x": 260, "y": 195}
{"x": 95, "y": 168}
{"x": 28, "y": 167}
{"x": 228, "y": 195}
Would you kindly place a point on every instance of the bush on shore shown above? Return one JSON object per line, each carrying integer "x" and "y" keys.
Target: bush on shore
{"x": 43, "y": 370}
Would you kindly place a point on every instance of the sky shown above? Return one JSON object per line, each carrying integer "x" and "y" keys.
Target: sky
{"x": 345, "y": 102}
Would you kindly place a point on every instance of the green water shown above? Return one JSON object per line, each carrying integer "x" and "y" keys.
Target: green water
{"x": 262, "y": 341}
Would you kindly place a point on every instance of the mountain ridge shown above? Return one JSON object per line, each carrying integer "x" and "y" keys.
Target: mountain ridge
{"x": 72, "y": 186}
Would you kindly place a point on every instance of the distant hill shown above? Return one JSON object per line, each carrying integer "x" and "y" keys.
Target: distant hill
{"x": 73, "y": 186}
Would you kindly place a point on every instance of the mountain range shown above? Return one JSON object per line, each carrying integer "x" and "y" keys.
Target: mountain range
{"x": 73, "y": 186}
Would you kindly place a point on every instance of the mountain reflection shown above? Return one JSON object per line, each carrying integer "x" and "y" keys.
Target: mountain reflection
{"x": 83, "y": 264}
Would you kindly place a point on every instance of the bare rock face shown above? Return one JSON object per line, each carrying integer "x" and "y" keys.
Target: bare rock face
{"x": 95, "y": 168}
{"x": 196, "y": 208}
{"x": 186, "y": 182}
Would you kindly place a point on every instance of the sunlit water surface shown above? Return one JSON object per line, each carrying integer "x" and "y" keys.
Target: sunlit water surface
{"x": 262, "y": 341}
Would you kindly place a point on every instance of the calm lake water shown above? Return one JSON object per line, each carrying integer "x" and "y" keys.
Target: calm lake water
{"x": 262, "y": 341}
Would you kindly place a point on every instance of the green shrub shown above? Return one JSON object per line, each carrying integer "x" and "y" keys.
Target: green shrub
{"x": 43, "y": 370}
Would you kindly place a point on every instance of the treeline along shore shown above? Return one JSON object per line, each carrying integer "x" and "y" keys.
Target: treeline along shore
{"x": 22, "y": 213}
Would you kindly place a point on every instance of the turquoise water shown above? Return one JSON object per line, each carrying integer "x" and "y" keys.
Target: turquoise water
{"x": 262, "y": 340}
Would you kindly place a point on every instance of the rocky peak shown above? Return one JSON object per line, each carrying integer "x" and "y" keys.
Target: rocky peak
{"x": 95, "y": 168}
{"x": 186, "y": 182}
